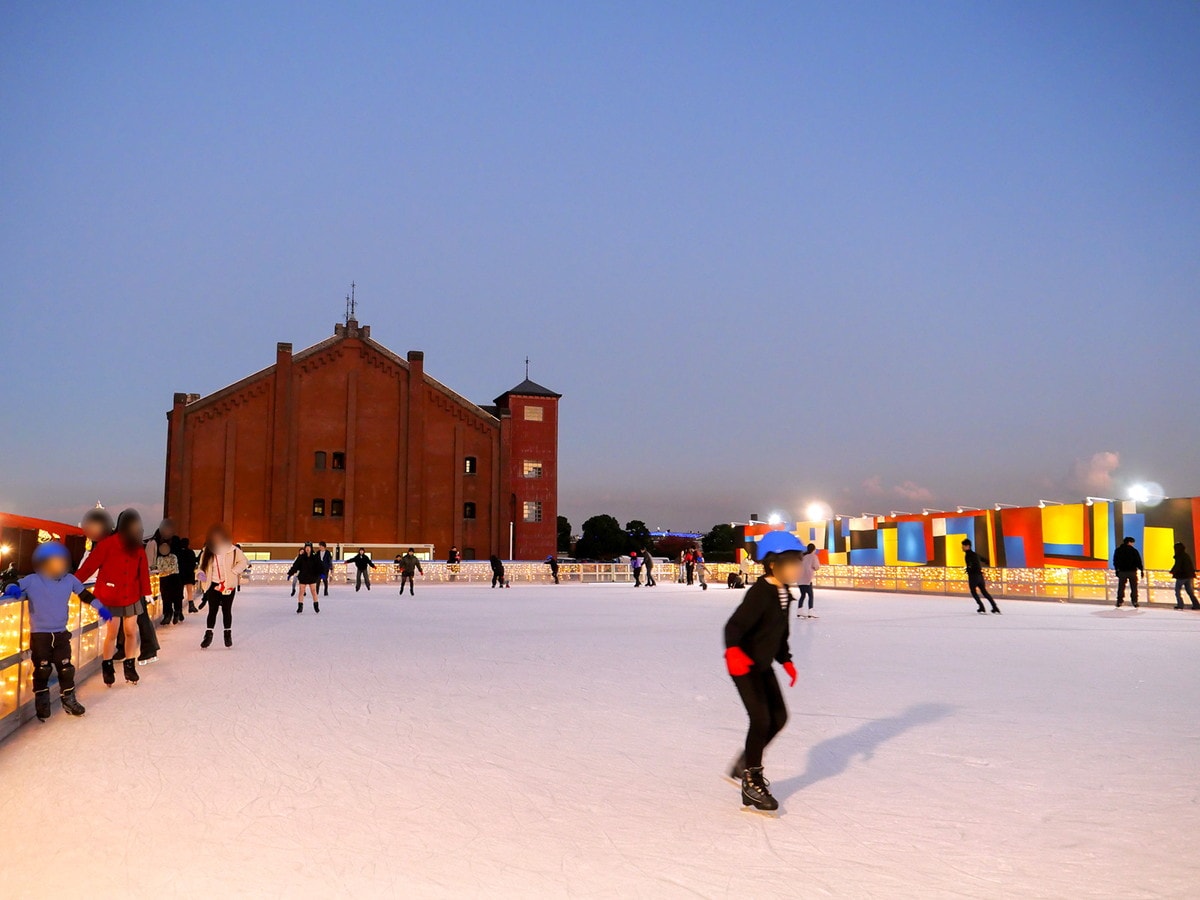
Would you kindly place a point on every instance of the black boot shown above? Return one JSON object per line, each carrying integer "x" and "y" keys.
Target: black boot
{"x": 166, "y": 620}
{"x": 228, "y": 638}
{"x": 41, "y": 704}
{"x": 108, "y": 670}
{"x": 70, "y": 705}
{"x": 316, "y": 606}
{"x": 300, "y": 607}
{"x": 204, "y": 644}
{"x": 293, "y": 592}
{"x": 995, "y": 609}
{"x": 755, "y": 790}
{"x": 192, "y": 608}
{"x": 131, "y": 673}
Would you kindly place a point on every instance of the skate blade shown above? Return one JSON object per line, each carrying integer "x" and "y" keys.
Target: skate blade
{"x": 769, "y": 813}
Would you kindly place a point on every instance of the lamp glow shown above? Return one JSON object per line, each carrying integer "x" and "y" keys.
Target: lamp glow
{"x": 816, "y": 511}
{"x": 775, "y": 519}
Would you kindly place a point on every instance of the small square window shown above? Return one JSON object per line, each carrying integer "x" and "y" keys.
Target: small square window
{"x": 533, "y": 510}
{"x": 533, "y": 414}
{"x": 468, "y": 510}
{"x": 470, "y": 465}
{"x": 337, "y": 508}
{"x": 319, "y": 506}
{"x": 532, "y": 468}
{"x": 468, "y": 553}
{"x": 319, "y": 459}
{"x": 339, "y": 461}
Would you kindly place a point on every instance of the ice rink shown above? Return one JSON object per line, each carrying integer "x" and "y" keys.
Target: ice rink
{"x": 542, "y": 741}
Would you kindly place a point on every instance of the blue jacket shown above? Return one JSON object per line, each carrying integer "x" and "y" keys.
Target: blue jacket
{"x": 49, "y": 600}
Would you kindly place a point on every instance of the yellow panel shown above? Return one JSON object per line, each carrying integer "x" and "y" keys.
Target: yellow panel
{"x": 891, "y": 556}
{"x": 839, "y": 559}
{"x": 954, "y": 552}
{"x": 1100, "y": 548}
{"x": 1159, "y": 552}
{"x": 1063, "y": 524}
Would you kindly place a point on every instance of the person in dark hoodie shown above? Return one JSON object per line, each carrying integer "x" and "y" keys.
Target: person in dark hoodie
{"x": 497, "y": 571}
{"x": 1128, "y": 562}
{"x": 308, "y": 569}
{"x": 1184, "y": 573}
{"x": 975, "y": 580}
{"x": 755, "y": 636}
{"x": 187, "y": 572}
{"x": 122, "y": 584}
{"x": 363, "y": 567}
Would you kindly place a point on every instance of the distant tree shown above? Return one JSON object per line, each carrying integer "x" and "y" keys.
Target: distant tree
{"x": 602, "y": 538}
{"x": 639, "y": 535}
{"x": 564, "y": 535}
{"x": 720, "y": 542}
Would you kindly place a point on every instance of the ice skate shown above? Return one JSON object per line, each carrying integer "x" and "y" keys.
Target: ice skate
{"x": 228, "y": 638}
{"x": 995, "y": 610}
{"x": 41, "y": 704}
{"x": 207, "y": 642}
{"x": 756, "y": 792}
{"x": 70, "y": 705}
{"x": 981, "y": 611}
{"x": 108, "y": 672}
{"x": 166, "y": 620}
{"x": 299, "y": 608}
{"x": 316, "y": 606}
{"x": 192, "y": 608}
{"x": 131, "y": 672}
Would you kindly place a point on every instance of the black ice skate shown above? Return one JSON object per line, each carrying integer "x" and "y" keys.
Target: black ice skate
{"x": 166, "y": 620}
{"x": 228, "y": 638}
{"x": 41, "y": 704}
{"x": 131, "y": 673}
{"x": 755, "y": 791}
{"x": 316, "y": 606}
{"x": 995, "y": 610}
{"x": 300, "y": 607}
{"x": 207, "y": 642}
{"x": 70, "y": 705}
{"x": 108, "y": 672}
{"x": 192, "y": 608}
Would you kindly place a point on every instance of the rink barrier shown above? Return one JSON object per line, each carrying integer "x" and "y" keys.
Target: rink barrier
{"x": 16, "y": 668}
{"x": 478, "y": 571}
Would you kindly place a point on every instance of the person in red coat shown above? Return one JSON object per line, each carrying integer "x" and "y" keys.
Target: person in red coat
{"x": 122, "y": 584}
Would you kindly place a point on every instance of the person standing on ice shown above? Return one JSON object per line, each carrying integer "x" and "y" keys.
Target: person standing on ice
{"x": 648, "y": 566}
{"x": 1128, "y": 562}
{"x": 122, "y": 584}
{"x": 808, "y": 569}
{"x": 327, "y": 566}
{"x": 975, "y": 580}
{"x": 635, "y": 565}
{"x": 409, "y": 567}
{"x": 497, "y": 571}
{"x": 222, "y": 565}
{"x": 363, "y": 566}
{"x": 307, "y": 568}
{"x": 755, "y": 635}
{"x": 701, "y": 570}
{"x": 1184, "y": 573}
{"x": 552, "y": 562}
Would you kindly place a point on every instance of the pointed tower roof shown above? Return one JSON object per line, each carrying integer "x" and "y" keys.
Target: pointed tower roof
{"x": 527, "y": 388}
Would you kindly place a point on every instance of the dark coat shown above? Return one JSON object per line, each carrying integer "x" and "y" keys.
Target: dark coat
{"x": 1127, "y": 559}
{"x": 760, "y": 625}
{"x": 1184, "y": 567}
{"x": 308, "y": 568}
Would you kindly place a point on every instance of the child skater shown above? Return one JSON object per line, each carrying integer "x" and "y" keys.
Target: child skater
{"x": 49, "y": 591}
{"x": 756, "y": 634}
{"x": 808, "y": 568}
{"x": 122, "y": 583}
{"x": 222, "y": 565}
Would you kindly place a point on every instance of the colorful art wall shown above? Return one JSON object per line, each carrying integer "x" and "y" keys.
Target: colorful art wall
{"x": 1077, "y": 535}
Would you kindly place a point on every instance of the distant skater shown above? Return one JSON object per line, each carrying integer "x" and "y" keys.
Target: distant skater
{"x": 1128, "y": 562}
{"x": 755, "y": 635}
{"x": 497, "y": 571}
{"x": 1184, "y": 573}
{"x": 220, "y": 571}
{"x": 808, "y": 569}
{"x": 648, "y": 568}
{"x": 170, "y": 583}
{"x": 362, "y": 570}
{"x": 327, "y": 567}
{"x": 307, "y": 568}
{"x": 701, "y": 569}
{"x": 975, "y": 579}
{"x": 635, "y": 565}
{"x": 409, "y": 567}
{"x": 453, "y": 563}
{"x": 552, "y": 562}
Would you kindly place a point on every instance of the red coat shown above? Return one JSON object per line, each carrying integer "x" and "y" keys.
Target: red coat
{"x": 122, "y": 575}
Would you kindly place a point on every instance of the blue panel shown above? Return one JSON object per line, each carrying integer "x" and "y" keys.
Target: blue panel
{"x": 1014, "y": 552}
{"x": 1134, "y": 526}
{"x": 1063, "y": 549}
{"x": 964, "y": 525}
{"x": 910, "y": 542}
{"x": 869, "y": 557}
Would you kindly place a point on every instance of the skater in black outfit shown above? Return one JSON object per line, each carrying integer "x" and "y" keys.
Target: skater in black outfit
{"x": 756, "y": 634}
{"x": 409, "y": 567}
{"x": 497, "y": 571}
{"x": 1128, "y": 562}
{"x": 307, "y": 568}
{"x": 552, "y": 562}
{"x": 222, "y": 565}
{"x": 975, "y": 579}
{"x": 327, "y": 564}
{"x": 1184, "y": 573}
{"x": 362, "y": 566}
{"x": 187, "y": 573}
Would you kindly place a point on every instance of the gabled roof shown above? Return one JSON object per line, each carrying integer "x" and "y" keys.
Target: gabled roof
{"x": 527, "y": 388}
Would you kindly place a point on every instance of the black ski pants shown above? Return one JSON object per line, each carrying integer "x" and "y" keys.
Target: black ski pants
{"x": 408, "y": 578}
{"x": 224, "y": 602}
{"x": 364, "y": 576}
{"x": 764, "y": 704}
{"x": 979, "y": 586}
{"x": 51, "y": 650}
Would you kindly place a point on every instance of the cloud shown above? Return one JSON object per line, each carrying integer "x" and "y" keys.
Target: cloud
{"x": 873, "y": 485}
{"x": 910, "y": 490}
{"x": 1093, "y": 475}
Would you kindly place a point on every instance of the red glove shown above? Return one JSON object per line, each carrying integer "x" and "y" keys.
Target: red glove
{"x": 737, "y": 662}
{"x": 791, "y": 670}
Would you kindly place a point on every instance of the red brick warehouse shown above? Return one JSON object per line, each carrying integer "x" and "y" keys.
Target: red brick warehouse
{"x": 346, "y": 442}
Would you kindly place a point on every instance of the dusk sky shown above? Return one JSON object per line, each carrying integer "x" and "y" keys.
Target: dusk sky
{"x": 885, "y": 255}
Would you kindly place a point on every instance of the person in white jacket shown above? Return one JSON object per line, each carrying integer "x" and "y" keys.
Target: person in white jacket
{"x": 220, "y": 570}
{"x": 808, "y": 568}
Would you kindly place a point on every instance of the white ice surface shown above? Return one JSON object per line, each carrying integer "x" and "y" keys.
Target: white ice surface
{"x": 569, "y": 741}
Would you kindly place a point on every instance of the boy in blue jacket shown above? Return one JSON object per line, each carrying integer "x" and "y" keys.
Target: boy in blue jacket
{"x": 49, "y": 591}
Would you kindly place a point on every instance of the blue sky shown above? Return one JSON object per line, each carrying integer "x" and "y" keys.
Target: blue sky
{"x": 884, "y": 255}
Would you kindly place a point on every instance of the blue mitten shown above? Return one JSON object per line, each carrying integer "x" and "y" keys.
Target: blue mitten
{"x": 103, "y": 613}
{"x": 12, "y": 592}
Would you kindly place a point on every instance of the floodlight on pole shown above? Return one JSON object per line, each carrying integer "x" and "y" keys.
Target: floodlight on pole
{"x": 927, "y": 510}
{"x": 1042, "y": 504}
{"x": 898, "y": 512}
{"x": 1091, "y": 500}
{"x": 1000, "y": 506}
{"x": 965, "y": 508}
